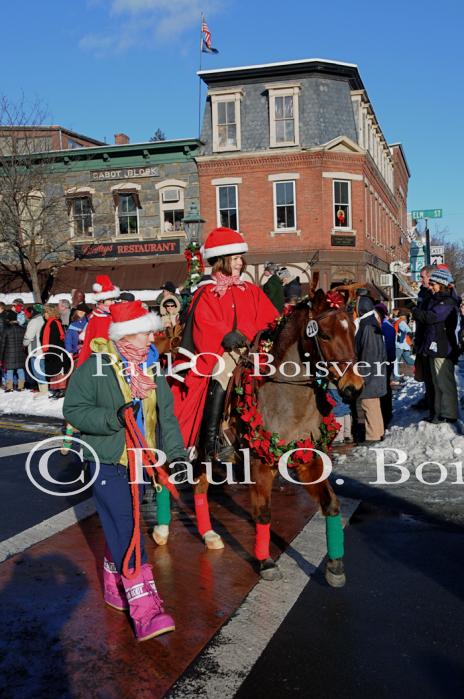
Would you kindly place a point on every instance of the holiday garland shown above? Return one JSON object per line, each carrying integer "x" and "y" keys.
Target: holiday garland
{"x": 195, "y": 266}
{"x": 269, "y": 446}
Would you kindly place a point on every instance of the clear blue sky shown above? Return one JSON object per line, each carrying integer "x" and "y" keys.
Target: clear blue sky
{"x": 104, "y": 66}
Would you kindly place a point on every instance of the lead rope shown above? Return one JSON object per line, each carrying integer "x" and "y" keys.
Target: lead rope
{"x": 135, "y": 440}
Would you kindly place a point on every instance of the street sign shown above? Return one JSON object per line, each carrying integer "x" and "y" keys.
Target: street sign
{"x": 437, "y": 255}
{"x": 427, "y": 213}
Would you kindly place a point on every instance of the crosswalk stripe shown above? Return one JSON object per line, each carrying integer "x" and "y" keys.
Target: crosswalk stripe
{"x": 224, "y": 665}
{"x": 14, "y": 449}
{"x": 20, "y": 542}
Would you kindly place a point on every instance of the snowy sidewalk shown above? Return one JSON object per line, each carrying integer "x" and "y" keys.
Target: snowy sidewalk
{"x": 28, "y": 403}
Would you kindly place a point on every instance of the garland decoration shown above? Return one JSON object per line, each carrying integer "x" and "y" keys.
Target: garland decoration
{"x": 195, "y": 265}
{"x": 269, "y": 446}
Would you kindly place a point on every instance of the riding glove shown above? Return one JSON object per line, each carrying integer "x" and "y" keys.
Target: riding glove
{"x": 234, "y": 340}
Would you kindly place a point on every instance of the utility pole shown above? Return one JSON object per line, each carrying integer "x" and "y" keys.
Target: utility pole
{"x": 427, "y": 242}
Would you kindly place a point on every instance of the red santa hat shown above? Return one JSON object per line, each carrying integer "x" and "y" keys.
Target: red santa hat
{"x": 131, "y": 318}
{"x": 223, "y": 241}
{"x": 105, "y": 289}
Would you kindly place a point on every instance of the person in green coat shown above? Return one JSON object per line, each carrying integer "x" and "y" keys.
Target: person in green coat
{"x": 114, "y": 387}
{"x": 273, "y": 287}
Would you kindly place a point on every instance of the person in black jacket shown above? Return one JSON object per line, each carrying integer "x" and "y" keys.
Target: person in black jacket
{"x": 370, "y": 348}
{"x": 439, "y": 344}
{"x": 12, "y": 352}
{"x": 292, "y": 287}
{"x": 56, "y": 363}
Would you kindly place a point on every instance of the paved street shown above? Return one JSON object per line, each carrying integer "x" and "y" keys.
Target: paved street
{"x": 393, "y": 631}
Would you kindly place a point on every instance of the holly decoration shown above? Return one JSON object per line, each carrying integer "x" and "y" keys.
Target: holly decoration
{"x": 269, "y": 446}
{"x": 341, "y": 217}
{"x": 195, "y": 266}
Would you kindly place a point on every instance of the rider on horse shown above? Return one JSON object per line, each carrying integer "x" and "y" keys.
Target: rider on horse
{"x": 227, "y": 313}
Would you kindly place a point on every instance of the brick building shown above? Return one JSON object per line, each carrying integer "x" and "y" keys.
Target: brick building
{"x": 43, "y": 138}
{"x": 293, "y": 156}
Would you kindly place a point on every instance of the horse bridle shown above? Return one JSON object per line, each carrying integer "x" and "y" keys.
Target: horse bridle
{"x": 313, "y": 323}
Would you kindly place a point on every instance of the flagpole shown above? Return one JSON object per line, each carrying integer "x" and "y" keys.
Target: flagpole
{"x": 199, "y": 78}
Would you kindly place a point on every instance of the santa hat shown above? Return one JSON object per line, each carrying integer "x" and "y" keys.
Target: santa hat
{"x": 223, "y": 241}
{"x": 104, "y": 289}
{"x": 131, "y": 318}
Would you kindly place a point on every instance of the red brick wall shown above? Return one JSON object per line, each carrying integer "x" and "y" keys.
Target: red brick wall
{"x": 314, "y": 200}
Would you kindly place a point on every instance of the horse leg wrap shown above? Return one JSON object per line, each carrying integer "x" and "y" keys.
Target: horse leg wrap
{"x": 263, "y": 536}
{"x": 202, "y": 513}
{"x": 163, "y": 506}
{"x": 335, "y": 537}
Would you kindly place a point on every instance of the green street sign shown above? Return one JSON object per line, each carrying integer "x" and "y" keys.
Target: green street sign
{"x": 427, "y": 213}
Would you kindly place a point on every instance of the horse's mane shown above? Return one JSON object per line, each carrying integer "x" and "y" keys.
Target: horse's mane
{"x": 289, "y": 331}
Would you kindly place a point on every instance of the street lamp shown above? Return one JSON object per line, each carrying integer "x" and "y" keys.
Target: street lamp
{"x": 192, "y": 224}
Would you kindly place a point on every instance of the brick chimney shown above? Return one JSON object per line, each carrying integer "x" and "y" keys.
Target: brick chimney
{"x": 121, "y": 139}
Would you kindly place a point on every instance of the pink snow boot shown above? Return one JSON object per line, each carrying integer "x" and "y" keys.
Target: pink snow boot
{"x": 113, "y": 589}
{"x": 146, "y": 606}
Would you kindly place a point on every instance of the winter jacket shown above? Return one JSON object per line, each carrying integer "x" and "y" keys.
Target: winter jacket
{"x": 389, "y": 335}
{"x": 32, "y": 335}
{"x": 370, "y": 348}
{"x": 97, "y": 391}
{"x": 2, "y": 323}
{"x": 274, "y": 290}
{"x": 55, "y": 362}
{"x": 440, "y": 320}
{"x": 72, "y": 342}
{"x": 292, "y": 290}
{"x": 423, "y": 299}
{"x": 12, "y": 351}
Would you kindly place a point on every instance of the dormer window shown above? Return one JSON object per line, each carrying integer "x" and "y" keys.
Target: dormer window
{"x": 226, "y": 120}
{"x": 284, "y": 115}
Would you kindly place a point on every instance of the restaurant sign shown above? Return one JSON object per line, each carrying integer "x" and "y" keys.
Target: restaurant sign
{"x": 125, "y": 173}
{"x": 139, "y": 248}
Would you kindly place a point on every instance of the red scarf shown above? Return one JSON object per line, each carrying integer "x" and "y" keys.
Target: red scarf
{"x": 140, "y": 383}
{"x": 225, "y": 282}
{"x": 47, "y": 331}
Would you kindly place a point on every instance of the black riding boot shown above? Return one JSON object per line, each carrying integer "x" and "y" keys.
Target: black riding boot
{"x": 214, "y": 408}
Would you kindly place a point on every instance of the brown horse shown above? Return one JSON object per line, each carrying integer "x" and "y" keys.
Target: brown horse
{"x": 317, "y": 330}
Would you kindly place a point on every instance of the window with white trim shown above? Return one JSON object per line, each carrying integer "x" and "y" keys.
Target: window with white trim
{"x": 172, "y": 207}
{"x": 128, "y": 214}
{"x": 226, "y": 121}
{"x": 284, "y": 116}
{"x": 342, "y": 204}
{"x": 227, "y": 206}
{"x": 284, "y": 206}
{"x": 81, "y": 211}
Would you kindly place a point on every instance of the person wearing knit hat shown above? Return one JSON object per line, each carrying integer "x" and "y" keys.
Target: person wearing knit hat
{"x": 31, "y": 343}
{"x": 105, "y": 294}
{"x": 273, "y": 287}
{"x": 116, "y": 403}
{"x": 439, "y": 344}
{"x": 226, "y": 313}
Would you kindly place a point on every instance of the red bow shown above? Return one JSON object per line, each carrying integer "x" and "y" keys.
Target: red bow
{"x": 335, "y": 299}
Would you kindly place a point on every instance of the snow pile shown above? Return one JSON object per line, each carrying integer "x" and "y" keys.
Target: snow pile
{"x": 27, "y": 297}
{"x": 28, "y": 403}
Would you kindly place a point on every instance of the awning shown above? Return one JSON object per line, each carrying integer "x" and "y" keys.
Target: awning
{"x": 138, "y": 274}
{"x": 406, "y": 285}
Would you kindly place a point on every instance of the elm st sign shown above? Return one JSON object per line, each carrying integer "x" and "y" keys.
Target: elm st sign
{"x": 427, "y": 213}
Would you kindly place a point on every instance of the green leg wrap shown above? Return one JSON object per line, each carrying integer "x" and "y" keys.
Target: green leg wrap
{"x": 163, "y": 506}
{"x": 334, "y": 536}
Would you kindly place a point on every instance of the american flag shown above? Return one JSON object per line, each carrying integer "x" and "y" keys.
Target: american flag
{"x": 206, "y": 39}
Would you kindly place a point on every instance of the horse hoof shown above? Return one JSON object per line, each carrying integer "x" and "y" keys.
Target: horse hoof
{"x": 269, "y": 570}
{"x": 160, "y": 534}
{"x": 335, "y": 573}
{"x": 213, "y": 540}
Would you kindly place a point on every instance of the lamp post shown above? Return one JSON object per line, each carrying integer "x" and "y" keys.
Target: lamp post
{"x": 192, "y": 224}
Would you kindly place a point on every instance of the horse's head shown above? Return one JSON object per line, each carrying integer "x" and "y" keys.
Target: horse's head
{"x": 331, "y": 331}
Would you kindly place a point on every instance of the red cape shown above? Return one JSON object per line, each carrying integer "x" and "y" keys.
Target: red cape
{"x": 214, "y": 318}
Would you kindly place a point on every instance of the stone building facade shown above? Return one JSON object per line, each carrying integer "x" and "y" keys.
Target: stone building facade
{"x": 293, "y": 156}
{"x": 124, "y": 209}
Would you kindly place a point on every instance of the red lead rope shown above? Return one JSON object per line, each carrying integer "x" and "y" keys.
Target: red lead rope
{"x": 135, "y": 440}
